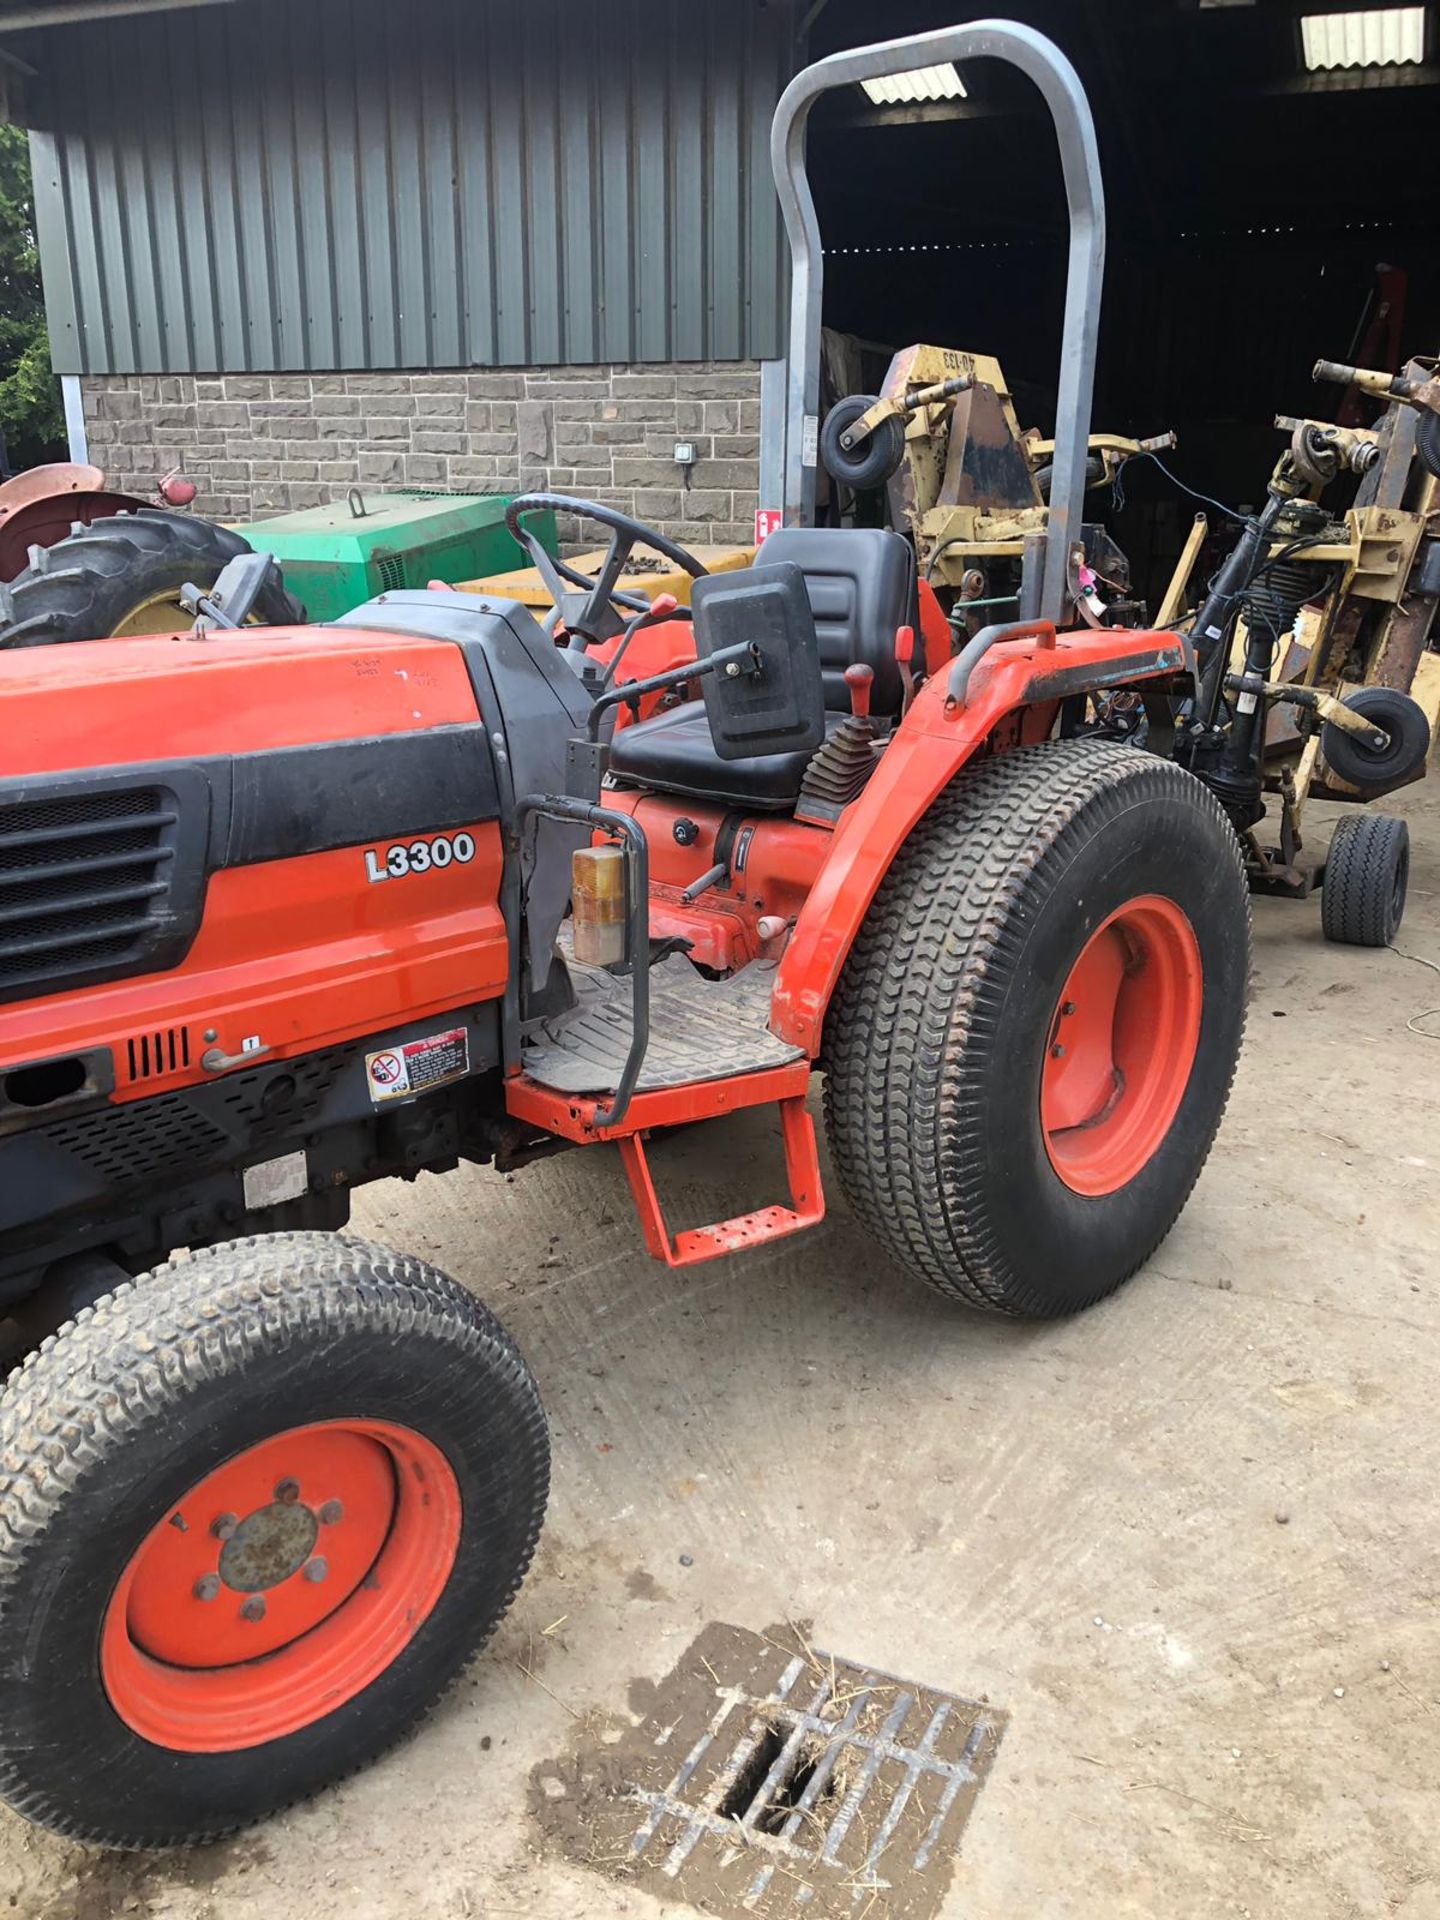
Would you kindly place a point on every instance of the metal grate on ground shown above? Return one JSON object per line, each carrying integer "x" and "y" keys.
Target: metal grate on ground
{"x": 772, "y": 1778}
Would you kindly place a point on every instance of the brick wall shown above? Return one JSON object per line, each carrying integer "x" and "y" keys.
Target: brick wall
{"x": 263, "y": 443}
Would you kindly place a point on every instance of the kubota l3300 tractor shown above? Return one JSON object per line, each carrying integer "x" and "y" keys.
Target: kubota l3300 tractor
{"x": 293, "y": 908}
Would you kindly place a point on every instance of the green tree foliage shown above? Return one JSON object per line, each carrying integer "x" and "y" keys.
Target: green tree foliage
{"x": 30, "y": 414}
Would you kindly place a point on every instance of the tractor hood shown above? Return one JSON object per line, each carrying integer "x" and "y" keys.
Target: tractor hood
{"x": 114, "y": 702}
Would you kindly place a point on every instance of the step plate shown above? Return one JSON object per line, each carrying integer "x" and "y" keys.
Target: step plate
{"x": 699, "y": 1030}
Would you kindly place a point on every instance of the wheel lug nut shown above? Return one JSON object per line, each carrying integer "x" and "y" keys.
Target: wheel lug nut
{"x": 207, "y": 1587}
{"x": 288, "y": 1491}
{"x": 316, "y": 1569}
{"x": 331, "y": 1514}
{"x": 1057, "y": 1053}
{"x": 253, "y": 1609}
{"x": 223, "y": 1526}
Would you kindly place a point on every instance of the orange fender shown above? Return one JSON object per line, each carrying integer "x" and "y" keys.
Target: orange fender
{"x": 932, "y": 743}
{"x": 655, "y": 649}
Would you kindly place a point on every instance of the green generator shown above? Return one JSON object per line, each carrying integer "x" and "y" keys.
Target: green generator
{"x": 336, "y": 557}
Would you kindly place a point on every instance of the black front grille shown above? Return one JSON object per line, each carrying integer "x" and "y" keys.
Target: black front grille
{"x": 142, "y": 1141}
{"x": 87, "y": 878}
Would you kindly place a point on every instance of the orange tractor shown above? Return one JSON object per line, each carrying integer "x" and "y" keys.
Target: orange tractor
{"x": 288, "y": 910}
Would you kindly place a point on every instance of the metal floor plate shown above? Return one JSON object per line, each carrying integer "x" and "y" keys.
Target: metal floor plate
{"x": 699, "y": 1029}
{"x": 769, "y": 1777}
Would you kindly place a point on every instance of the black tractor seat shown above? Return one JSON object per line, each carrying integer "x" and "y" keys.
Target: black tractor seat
{"x": 674, "y": 753}
{"x": 861, "y": 586}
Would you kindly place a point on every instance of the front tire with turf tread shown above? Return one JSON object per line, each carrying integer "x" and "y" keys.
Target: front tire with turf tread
{"x": 111, "y": 1422}
{"x": 1367, "y": 871}
{"x": 86, "y": 586}
{"x": 938, "y": 1027}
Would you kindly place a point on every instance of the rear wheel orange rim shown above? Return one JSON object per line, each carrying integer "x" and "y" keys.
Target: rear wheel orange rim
{"x": 1121, "y": 1046}
{"x": 281, "y": 1585}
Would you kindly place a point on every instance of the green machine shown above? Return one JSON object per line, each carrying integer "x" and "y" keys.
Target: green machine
{"x": 338, "y": 556}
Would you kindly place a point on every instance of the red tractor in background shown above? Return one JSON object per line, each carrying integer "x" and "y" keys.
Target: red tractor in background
{"x": 122, "y": 563}
{"x": 290, "y": 909}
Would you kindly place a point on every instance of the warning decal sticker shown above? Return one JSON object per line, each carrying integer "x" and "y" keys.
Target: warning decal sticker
{"x": 397, "y": 1072}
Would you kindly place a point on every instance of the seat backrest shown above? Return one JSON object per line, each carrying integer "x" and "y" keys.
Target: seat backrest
{"x": 861, "y": 583}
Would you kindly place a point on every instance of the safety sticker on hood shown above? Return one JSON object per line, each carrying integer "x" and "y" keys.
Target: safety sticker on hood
{"x": 394, "y": 1073}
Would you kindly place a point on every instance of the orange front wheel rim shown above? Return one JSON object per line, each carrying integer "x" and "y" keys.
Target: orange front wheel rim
{"x": 1121, "y": 1045}
{"x": 281, "y": 1585}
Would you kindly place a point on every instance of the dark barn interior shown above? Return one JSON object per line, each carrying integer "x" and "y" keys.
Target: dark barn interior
{"x": 1260, "y": 216}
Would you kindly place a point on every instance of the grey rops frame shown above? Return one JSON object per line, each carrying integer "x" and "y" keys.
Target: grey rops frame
{"x": 1046, "y": 65}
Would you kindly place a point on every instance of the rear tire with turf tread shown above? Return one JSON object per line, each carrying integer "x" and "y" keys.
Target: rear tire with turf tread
{"x": 85, "y": 586}
{"x": 113, "y": 1422}
{"x": 1367, "y": 871}
{"x": 939, "y": 1026}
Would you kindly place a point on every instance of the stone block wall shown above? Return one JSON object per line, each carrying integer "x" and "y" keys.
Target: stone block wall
{"x": 266, "y": 443}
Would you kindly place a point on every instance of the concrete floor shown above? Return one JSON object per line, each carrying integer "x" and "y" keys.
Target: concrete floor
{"x": 1214, "y": 1710}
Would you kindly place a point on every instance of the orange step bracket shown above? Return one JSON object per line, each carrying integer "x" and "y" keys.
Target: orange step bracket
{"x": 695, "y": 1244}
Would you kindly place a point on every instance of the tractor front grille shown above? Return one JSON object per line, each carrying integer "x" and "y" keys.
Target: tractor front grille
{"x": 85, "y": 881}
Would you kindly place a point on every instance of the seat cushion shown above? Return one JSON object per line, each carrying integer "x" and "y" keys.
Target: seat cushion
{"x": 674, "y": 752}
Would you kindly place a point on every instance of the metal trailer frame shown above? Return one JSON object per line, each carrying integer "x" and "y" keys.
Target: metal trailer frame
{"x": 1059, "y": 84}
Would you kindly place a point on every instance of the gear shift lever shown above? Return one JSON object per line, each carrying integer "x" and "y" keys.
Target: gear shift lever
{"x": 858, "y": 679}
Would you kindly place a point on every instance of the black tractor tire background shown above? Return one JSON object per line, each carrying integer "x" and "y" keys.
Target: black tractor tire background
{"x": 938, "y": 1026}
{"x": 85, "y": 586}
{"x": 1427, "y": 442}
{"x": 1094, "y": 474}
{"x": 1367, "y": 871}
{"x": 874, "y": 460}
{"x": 1372, "y": 770}
{"x": 111, "y": 1422}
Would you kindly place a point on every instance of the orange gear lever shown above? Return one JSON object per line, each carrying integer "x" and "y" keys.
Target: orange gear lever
{"x": 859, "y": 679}
{"x": 904, "y": 655}
{"x": 662, "y": 606}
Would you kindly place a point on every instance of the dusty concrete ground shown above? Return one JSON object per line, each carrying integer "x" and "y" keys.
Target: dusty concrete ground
{"x": 1188, "y": 1541}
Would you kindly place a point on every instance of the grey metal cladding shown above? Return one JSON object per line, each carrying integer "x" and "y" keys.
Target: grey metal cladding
{"x": 323, "y": 184}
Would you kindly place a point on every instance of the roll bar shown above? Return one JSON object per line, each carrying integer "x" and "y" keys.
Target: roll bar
{"x": 1043, "y": 62}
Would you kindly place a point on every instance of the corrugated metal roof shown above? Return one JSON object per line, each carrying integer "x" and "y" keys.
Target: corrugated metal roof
{"x": 1380, "y": 37}
{"x": 352, "y": 183}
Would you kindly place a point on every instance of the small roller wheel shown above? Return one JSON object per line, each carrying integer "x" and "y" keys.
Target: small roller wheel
{"x": 1366, "y": 874}
{"x": 1373, "y": 769}
{"x": 257, "y": 1510}
{"x": 874, "y": 459}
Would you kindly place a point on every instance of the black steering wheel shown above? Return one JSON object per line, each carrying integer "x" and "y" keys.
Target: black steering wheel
{"x": 590, "y": 614}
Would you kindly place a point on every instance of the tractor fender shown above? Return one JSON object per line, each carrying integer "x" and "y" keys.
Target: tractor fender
{"x": 40, "y": 507}
{"x": 933, "y": 742}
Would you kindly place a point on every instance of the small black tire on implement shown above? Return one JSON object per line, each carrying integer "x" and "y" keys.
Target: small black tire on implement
{"x": 1367, "y": 871}
{"x": 871, "y": 463}
{"x": 1427, "y": 442}
{"x": 88, "y": 586}
{"x": 1372, "y": 769}
{"x": 1045, "y": 476}
{"x": 298, "y": 1439}
{"x": 956, "y": 1136}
